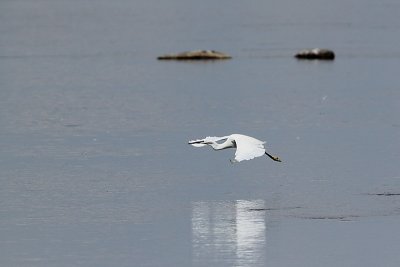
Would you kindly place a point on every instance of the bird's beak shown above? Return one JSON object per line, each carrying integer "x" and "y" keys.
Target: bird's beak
{"x": 195, "y": 142}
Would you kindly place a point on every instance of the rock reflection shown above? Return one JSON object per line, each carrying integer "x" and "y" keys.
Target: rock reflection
{"x": 232, "y": 233}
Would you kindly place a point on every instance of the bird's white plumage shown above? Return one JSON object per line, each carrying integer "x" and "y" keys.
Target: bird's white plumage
{"x": 247, "y": 147}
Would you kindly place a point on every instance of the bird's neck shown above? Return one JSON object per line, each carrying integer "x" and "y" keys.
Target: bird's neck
{"x": 217, "y": 146}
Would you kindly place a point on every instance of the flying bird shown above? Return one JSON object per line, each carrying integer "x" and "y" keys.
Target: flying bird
{"x": 247, "y": 147}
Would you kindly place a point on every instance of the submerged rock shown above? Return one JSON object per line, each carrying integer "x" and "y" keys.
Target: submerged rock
{"x": 196, "y": 55}
{"x": 316, "y": 53}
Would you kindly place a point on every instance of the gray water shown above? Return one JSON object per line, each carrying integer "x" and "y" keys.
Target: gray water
{"x": 95, "y": 169}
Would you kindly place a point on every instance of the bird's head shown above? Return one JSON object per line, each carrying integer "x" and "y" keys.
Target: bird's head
{"x": 208, "y": 142}
{"x": 198, "y": 143}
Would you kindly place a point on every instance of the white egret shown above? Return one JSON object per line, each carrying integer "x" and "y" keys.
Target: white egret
{"x": 247, "y": 147}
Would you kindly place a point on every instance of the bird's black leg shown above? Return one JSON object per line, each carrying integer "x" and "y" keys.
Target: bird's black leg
{"x": 272, "y": 157}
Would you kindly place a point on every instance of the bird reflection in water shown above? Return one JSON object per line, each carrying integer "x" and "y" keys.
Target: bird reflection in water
{"x": 230, "y": 232}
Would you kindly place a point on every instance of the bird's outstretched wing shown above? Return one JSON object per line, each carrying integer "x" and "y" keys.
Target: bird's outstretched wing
{"x": 247, "y": 147}
{"x": 203, "y": 142}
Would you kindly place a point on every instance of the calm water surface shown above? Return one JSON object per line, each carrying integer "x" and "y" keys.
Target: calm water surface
{"x": 95, "y": 169}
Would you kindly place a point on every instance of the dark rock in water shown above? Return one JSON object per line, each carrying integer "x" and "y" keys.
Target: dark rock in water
{"x": 196, "y": 55}
{"x": 316, "y": 53}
